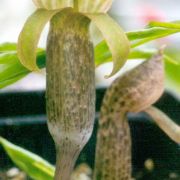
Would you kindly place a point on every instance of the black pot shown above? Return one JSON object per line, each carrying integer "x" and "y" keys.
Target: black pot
{"x": 23, "y": 122}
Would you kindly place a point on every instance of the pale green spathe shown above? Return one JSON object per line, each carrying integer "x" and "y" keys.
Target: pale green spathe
{"x": 29, "y": 37}
{"x": 53, "y": 4}
{"x": 96, "y": 6}
{"x": 87, "y": 6}
{"x": 114, "y": 36}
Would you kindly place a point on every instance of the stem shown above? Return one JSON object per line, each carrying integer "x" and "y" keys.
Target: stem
{"x": 70, "y": 88}
{"x": 135, "y": 91}
{"x": 63, "y": 170}
{"x": 165, "y": 123}
{"x": 113, "y": 149}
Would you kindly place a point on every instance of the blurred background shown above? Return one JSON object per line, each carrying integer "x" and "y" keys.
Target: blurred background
{"x": 130, "y": 14}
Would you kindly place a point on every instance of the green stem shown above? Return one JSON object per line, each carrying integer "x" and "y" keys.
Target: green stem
{"x": 165, "y": 123}
{"x": 70, "y": 88}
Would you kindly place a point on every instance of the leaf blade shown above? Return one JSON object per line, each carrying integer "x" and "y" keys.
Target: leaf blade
{"x": 33, "y": 165}
{"x": 172, "y": 25}
{"x": 149, "y": 32}
{"x": 11, "y": 70}
{"x": 102, "y": 53}
{"x": 6, "y": 47}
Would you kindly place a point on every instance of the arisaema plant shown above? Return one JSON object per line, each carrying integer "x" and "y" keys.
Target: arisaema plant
{"x": 70, "y": 60}
{"x": 70, "y": 68}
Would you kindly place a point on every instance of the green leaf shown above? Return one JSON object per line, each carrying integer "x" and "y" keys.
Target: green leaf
{"x": 146, "y": 54}
{"x": 171, "y": 60}
{"x": 29, "y": 37}
{"x": 173, "y": 71}
{"x": 143, "y": 36}
{"x": 172, "y": 25}
{"x": 33, "y": 165}
{"x": 150, "y": 32}
{"x": 137, "y": 38}
{"x": 115, "y": 37}
{"x": 12, "y": 80}
{"x": 142, "y": 53}
{"x": 105, "y": 56}
{"x": 5, "y": 47}
{"x": 11, "y": 70}
{"x": 173, "y": 77}
{"x": 102, "y": 52}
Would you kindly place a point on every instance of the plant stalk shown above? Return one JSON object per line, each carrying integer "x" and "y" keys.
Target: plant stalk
{"x": 70, "y": 88}
{"x": 134, "y": 91}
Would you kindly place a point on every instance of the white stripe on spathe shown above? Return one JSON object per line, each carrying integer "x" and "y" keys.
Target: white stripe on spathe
{"x": 96, "y": 6}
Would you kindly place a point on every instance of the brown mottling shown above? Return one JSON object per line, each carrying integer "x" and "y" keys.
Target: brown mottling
{"x": 132, "y": 92}
{"x": 70, "y": 88}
